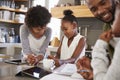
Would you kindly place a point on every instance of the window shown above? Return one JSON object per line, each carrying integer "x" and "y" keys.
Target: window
{"x": 55, "y": 26}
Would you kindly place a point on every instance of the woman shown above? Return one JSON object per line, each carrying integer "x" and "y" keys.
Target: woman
{"x": 35, "y": 35}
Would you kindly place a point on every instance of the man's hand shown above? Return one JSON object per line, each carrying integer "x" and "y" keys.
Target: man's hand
{"x": 106, "y": 36}
{"x": 84, "y": 68}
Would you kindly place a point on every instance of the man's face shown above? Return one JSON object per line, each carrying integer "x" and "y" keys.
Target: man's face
{"x": 102, "y": 9}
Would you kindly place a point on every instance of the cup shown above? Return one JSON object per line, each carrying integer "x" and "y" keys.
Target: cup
{"x": 48, "y": 64}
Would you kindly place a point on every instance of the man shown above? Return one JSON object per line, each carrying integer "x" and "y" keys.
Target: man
{"x": 109, "y": 12}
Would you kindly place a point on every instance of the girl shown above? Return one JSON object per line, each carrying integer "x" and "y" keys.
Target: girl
{"x": 73, "y": 44}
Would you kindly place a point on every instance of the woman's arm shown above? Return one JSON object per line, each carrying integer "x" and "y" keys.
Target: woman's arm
{"x": 24, "y": 32}
{"x": 47, "y": 40}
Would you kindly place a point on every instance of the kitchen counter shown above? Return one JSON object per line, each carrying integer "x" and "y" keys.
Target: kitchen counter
{"x": 15, "y": 48}
{"x": 8, "y": 71}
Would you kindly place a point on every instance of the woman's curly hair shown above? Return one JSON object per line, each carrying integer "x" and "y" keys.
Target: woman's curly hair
{"x": 37, "y": 17}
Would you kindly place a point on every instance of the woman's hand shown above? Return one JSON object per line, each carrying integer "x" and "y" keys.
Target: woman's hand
{"x": 84, "y": 68}
{"x": 39, "y": 58}
{"x": 31, "y": 59}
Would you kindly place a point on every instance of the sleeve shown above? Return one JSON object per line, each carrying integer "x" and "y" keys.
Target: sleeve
{"x": 24, "y": 39}
{"x": 101, "y": 68}
{"x": 47, "y": 40}
{"x": 100, "y": 61}
{"x": 106, "y": 27}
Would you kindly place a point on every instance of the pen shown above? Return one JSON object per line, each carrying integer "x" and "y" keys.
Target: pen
{"x": 83, "y": 71}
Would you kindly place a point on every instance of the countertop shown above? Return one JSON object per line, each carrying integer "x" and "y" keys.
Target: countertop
{"x": 8, "y": 71}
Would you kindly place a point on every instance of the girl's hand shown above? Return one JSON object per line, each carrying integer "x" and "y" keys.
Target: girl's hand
{"x": 51, "y": 57}
{"x": 58, "y": 62}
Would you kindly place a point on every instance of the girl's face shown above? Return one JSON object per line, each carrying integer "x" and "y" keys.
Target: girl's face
{"x": 68, "y": 28}
{"x": 38, "y": 31}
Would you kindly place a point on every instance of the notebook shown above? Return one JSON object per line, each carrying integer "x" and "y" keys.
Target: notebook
{"x": 35, "y": 72}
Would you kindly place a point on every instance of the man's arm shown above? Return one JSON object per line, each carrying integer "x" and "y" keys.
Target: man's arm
{"x": 99, "y": 61}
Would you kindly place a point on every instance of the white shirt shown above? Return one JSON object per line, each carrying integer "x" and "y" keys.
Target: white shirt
{"x": 67, "y": 51}
{"x": 35, "y": 44}
{"x": 100, "y": 62}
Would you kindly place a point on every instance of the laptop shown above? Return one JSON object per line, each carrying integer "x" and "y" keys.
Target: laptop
{"x": 35, "y": 72}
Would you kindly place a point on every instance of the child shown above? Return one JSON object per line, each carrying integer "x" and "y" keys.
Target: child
{"x": 73, "y": 44}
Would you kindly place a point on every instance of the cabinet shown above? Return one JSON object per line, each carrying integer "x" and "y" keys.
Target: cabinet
{"x": 7, "y": 23}
{"x": 78, "y": 11}
{"x": 5, "y": 10}
{"x": 8, "y": 14}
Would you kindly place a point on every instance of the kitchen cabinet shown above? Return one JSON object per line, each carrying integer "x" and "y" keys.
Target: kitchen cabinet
{"x": 8, "y": 14}
{"x": 78, "y": 11}
{"x": 7, "y": 23}
{"x": 12, "y": 12}
{"x": 13, "y": 49}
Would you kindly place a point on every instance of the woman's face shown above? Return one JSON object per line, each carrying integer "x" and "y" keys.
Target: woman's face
{"x": 102, "y": 9}
{"x": 38, "y": 31}
{"x": 68, "y": 28}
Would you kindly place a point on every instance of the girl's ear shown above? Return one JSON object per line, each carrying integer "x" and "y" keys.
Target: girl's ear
{"x": 74, "y": 24}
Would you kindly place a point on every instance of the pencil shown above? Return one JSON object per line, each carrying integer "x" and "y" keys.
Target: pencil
{"x": 83, "y": 71}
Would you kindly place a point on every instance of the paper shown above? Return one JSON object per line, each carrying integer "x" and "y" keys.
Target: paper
{"x": 69, "y": 68}
{"x": 77, "y": 76}
{"x": 66, "y": 69}
{"x": 58, "y": 77}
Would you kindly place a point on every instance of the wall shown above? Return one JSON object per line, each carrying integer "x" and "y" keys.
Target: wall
{"x": 94, "y": 30}
{"x": 65, "y": 1}
{"x": 51, "y": 3}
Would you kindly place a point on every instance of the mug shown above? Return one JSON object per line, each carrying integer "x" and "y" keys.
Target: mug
{"x": 48, "y": 63}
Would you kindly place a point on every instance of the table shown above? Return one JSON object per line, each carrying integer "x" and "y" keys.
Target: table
{"x": 8, "y": 71}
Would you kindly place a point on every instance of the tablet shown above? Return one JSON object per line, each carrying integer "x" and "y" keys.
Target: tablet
{"x": 36, "y": 72}
{"x": 15, "y": 61}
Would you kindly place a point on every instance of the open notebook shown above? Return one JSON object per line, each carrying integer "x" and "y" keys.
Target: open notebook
{"x": 68, "y": 70}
